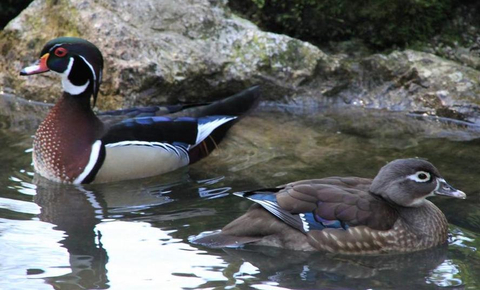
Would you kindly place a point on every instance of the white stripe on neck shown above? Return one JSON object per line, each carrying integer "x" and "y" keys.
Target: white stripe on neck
{"x": 93, "y": 73}
{"x": 68, "y": 86}
{"x": 94, "y": 154}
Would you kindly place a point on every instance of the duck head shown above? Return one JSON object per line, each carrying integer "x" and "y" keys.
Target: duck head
{"x": 407, "y": 182}
{"x": 79, "y": 62}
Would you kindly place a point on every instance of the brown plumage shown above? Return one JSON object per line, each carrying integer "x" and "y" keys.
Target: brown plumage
{"x": 54, "y": 136}
{"x": 348, "y": 215}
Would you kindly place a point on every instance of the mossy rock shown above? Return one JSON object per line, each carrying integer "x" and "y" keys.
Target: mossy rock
{"x": 177, "y": 51}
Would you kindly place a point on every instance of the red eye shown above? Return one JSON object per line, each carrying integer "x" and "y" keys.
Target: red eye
{"x": 60, "y": 52}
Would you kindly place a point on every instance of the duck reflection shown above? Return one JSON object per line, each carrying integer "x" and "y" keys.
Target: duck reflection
{"x": 320, "y": 270}
{"x": 77, "y": 210}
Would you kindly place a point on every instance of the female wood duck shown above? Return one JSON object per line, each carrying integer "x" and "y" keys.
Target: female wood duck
{"x": 349, "y": 215}
{"x": 72, "y": 145}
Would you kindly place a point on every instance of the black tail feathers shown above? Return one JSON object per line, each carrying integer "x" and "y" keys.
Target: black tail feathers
{"x": 236, "y": 105}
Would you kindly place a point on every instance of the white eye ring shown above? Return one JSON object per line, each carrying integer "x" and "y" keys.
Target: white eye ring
{"x": 420, "y": 176}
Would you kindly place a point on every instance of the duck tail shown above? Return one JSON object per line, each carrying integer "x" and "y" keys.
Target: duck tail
{"x": 250, "y": 228}
{"x": 237, "y": 105}
{"x": 220, "y": 240}
{"x": 204, "y": 147}
{"x": 217, "y": 118}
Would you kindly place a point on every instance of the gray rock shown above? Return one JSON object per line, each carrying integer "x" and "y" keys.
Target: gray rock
{"x": 403, "y": 81}
{"x": 166, "y": 51}
{"x": 158, "y": 51}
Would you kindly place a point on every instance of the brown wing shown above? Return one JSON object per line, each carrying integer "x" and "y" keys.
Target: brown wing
{"x": 257, "y": 226}
{"x": 344, "y": 199}
{"x": 333, "y": 214}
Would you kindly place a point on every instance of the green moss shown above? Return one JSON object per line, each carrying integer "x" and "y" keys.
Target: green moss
{"x": 63, "y": 18}
{"x": 380, "y": 23}
{"x": 271, "y": 54}
{"x": 6, "y": 41}
{"x": 58, "y": 19}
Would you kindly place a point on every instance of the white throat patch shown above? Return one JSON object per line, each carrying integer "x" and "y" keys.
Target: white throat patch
{"x": 68, "y": 86}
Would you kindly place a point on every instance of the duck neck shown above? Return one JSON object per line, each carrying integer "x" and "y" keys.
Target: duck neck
{"x": 77, "y": 78}
{"x": 77, "y": 102}
{"x": 63, "y": 142}
{"x": 427, "y": 222}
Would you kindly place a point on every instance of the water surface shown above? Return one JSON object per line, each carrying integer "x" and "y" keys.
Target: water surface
{"x": 134, "y": 235}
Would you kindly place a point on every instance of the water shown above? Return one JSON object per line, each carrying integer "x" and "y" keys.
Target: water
{"x": 134, "y": 235}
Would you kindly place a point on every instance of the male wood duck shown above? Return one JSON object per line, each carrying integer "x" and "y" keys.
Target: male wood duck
{"x": 348, "y": 215}
{"x": 72, "y": 145}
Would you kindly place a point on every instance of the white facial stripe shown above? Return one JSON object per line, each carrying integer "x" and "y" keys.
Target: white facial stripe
{"x": 93, "y": 72}
{"x": 69, "y": 67}
{"x": 94, "y": 153}
{"x": 91, "y": 68}
{"x": 420, "y": 200}
{"x": 55, "y": 46}
{"x": 67, "y": 85}
{"x": 415, "y": 177}
{"x": 439, "y": 181}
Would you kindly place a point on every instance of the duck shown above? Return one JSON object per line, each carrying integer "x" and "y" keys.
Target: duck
{"x": 345, "y": 215}
{"x": 74, "y": 145}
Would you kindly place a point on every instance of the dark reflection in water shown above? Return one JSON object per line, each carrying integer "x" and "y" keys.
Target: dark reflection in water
{"x": 76, "y": 211}
{"x": 320, "y": 270}
{"x": 100, "y": 225}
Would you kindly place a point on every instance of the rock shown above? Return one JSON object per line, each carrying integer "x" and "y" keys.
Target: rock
{"x": 21, "y": 115}
{"x": 166, "y": 51}
{"x": 158, "y": 51}
{"x": 404, "y": 81}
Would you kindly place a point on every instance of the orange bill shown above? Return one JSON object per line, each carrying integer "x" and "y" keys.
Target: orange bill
{"x": 39, "y": 66}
